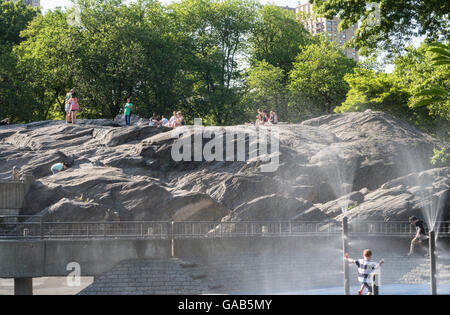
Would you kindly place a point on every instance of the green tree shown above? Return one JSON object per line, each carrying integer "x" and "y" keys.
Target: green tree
{"x": 278, "y": 38}
{"x": 423, "y": 74}
{"x": 45, "y": 60}
{"x": 378, "y": 91}
{"x": 436, "y": 94}
{"x": 15, "y": 95}
{"x": 317, "y": 82}
{"x": 214, "y": 33}
{"x": 108, "y": 61}
{"x": 14, "y": 18}
{"x": 267, "y": 90}
{"x": 388, "y": 24}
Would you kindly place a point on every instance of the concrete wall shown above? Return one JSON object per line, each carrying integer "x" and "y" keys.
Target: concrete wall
{"x": 185, "y": 248}
{"x": 12, "y": 194}
{"x": 19, "y": 259}
{"x": 290, "y": 245}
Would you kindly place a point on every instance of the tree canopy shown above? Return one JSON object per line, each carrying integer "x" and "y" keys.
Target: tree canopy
{"x": 219, "y": 60}
{"x": 389, "y": 24}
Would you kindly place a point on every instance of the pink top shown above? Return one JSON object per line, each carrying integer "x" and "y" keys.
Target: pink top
{"x": 74, "y": 104}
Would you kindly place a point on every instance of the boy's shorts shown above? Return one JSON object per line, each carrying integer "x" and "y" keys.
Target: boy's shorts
{"x": 423, "y": 237}
{"x": 368, "y": 287}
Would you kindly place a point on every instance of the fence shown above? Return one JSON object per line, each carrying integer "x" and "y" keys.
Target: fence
{"x": 33, "y": 227}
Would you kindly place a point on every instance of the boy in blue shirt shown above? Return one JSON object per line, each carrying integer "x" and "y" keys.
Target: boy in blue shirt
{"x": 58, "y": 167}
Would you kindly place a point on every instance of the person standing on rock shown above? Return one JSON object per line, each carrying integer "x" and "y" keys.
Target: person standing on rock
{"x": 420, "y": 236}
{"x": 127, "y": 107}
{"x": 73, "y": 106}
{"x": 67, "y": 106}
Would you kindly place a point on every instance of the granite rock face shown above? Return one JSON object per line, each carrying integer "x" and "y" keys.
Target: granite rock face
{"x": 371, "y": 163}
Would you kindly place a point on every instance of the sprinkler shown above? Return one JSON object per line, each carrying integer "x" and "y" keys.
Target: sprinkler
{"x": 432, "y": 246}
{"x": 345, "y": 248}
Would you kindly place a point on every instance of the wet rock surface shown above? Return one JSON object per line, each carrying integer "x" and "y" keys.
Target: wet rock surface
{"x": 128, "y": 173}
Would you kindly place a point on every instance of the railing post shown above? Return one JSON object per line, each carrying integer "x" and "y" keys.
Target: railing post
{"x": 345, "y": 249}
{"x": 432, "y": 246}
{"x": 172, "y": 233}
{"x": 375, "y": 283}
{"x": 41, "y": 227}
{"x": 23, "y": 286}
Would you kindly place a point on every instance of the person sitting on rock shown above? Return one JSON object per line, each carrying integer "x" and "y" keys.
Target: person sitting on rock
{"x": 259, "y": 118}
{"x": 59, "y": 167}
{"x": 154, "y": 120}
{"x": 4, "y": 122}
{"x": 273, "y": 117}
{"x": 172, "y": 120}
{"x": 420, "y": 236}
{"x": 164, "y": 122}
{"x": 180, "y": 120}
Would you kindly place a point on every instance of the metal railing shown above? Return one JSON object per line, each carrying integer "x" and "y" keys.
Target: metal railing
{"x": 442, "y": 228}
{"x": 33, "y": 227}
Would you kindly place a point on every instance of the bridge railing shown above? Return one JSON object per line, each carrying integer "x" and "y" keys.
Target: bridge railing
{"x": 442, "y": 228}
{"x": 33, "y": 227}
{"x": 253, "y": 228}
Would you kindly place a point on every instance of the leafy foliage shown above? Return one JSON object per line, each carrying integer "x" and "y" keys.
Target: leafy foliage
{"x": 388, "y": 24}
{"x": 215, "y": 59}
{"x": 317, "y": 83}
{"x": 15, "y": 98}
{"x": 441, "y": 157}
{"x": 377, "y": 91}
{"x": 278, "y": 38}
{"x": 437, "y": 98}
{"x": 397, "y": 93}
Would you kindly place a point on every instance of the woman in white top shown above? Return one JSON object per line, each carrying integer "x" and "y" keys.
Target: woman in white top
{"x": 172, "y": 120}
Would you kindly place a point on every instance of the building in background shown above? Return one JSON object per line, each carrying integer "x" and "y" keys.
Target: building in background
{"x": 317, "y": 25}
{"x": 33, "y": 3}
{"x": 288, "y": 8}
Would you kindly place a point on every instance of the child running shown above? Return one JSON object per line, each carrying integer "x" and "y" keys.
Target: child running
{"x": 365, "y": 269}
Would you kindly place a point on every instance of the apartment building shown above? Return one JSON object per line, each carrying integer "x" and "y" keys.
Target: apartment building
{"x": 317, "y": 25}
{"x": 33, "y": 3}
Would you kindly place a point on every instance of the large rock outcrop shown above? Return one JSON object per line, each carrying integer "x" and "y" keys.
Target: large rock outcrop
{"x": 371, "y": 163}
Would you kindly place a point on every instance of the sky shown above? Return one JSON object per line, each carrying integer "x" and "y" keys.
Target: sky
{"x": 51, "y": 4}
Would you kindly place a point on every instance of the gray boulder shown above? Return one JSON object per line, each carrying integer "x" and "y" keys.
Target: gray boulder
{"x": 377, "y": 164}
